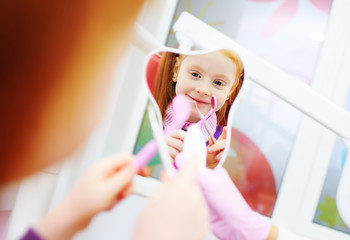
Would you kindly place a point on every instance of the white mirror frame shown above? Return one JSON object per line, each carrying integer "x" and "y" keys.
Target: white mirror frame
{"x": 234, "y": 106}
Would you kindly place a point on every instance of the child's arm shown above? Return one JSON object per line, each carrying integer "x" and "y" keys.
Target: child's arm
{"x": 215, "y": 150}
{"x": 231, "y": 216}
{"x": 175, "y": 142}
{"x": 178, "y": 209}
{"x": 106, "y": 183}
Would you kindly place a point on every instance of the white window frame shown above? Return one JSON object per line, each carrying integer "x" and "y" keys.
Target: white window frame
{"x": 307, "y": 168}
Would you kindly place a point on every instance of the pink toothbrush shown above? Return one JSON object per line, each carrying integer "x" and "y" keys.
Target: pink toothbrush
{"x": 182, "y": 111}
{"x": 205, "y": 118}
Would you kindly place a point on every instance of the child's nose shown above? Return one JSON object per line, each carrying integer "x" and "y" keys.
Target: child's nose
{"x": 203, "y": 89}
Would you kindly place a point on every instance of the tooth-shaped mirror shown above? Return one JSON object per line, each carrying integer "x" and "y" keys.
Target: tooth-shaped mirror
{"x": 211, "y": 81}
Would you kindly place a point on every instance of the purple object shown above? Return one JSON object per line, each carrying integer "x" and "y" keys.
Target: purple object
{"x": 31, "y": 234}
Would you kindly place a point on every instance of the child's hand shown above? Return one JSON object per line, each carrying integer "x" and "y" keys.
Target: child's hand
{"x": 216, "y": 150}
{"x": 106, "y": 183}
{"x": 177, "y": 210}
{"x": 175, "y": 142}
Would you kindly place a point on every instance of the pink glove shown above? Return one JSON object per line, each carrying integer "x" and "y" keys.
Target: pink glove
{"x": 230, "y": 215}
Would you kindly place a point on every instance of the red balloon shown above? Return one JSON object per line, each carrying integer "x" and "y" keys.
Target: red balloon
{"x": 252, "y": 173}
{"x": 151, "y": 71}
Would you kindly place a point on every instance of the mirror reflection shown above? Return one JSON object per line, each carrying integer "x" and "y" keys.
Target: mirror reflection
{"x": 210, "y": 81}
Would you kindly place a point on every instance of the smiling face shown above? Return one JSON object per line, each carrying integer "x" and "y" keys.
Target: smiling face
{"x": 201, "y": 76}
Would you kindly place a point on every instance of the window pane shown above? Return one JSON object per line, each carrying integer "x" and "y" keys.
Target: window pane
{"x": 288, "y": 34}
{"x": 327, "y": 213}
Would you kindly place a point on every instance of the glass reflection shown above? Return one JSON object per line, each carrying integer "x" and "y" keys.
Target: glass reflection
{"x": 211, "y": 82}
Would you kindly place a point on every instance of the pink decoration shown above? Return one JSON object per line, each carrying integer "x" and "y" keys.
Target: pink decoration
{"x": 286, "y": 12}
{"x": 323, "y": 5}
{"x": 280, "y": 18}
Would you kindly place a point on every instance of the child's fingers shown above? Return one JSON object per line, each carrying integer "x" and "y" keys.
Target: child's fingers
{"x": 172, "y": 152}
{"x": 219, "y": 156}
{"x": 210, "y": 142}
{"x": 111, "y": 164}
{"x": 218, "y": 146}
{"x": 144, "y": 172}
{"x": 223, "y": 134}
{"x": 179, "y": 134}
{"x": 174, "y": 146}
{"x": 116, "y": 183}
{"x": 129, "y": 189}
{"x": 211, "y": 161}
{"x": 174, "y": 143}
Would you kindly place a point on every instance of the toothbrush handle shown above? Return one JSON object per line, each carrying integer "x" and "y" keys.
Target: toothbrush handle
{"x": 146, "y": 154}
{"x": 210, "y": 134}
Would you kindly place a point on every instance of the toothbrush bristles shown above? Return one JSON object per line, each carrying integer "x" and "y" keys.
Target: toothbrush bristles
{"x": 205, "y": 124}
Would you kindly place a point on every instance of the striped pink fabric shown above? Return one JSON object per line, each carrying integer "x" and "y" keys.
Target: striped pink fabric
{"x": 170, "y": 125}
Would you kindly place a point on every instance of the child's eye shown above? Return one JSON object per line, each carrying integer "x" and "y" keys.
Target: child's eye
{"x": 195, "y": 74}
{"x": 217, "y": 82}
